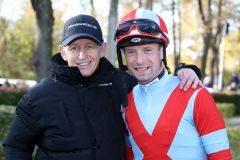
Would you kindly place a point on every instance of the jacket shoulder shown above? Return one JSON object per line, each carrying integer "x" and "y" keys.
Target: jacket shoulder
{"x": 126, "y": 80}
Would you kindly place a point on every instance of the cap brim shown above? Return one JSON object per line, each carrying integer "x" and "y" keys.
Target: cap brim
{"x": 73, "y": 37}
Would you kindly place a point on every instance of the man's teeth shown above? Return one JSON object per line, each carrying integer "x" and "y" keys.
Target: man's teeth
{"x": 141, "y": 69}
{"x": 83, "y": 64}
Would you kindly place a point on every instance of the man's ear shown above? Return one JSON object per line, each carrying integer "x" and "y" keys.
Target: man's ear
{"x": 62, "y": 52}
{"x": 104, "y": 49}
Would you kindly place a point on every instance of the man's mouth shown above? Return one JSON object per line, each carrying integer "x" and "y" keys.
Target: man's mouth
{"x": 142, "y": 69}
{"x": 83, "y": 63}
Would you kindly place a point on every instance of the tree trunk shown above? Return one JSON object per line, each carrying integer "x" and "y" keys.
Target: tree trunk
{"x": 216, "y": 40}
{"x": 149, "y": 4}
{"x": 42, "y": 54}
{"x": 140, "y": 3}
{"x": 92, "y": 9}
{"x": 214, "y": 65}
{"x": 1, "y": 1}
{"x": 176, "y": 32}
{"x": 214, "y": 71}
{"x": 206, "y": 42}
{"x": 207, "y": 35}
{"x": 112, "y": 23}
{"x": 179, "y": 31}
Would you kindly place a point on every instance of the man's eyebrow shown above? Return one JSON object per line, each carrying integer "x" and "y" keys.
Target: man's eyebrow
{"x": 129, "y": 49}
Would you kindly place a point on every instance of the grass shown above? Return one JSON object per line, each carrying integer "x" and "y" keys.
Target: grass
{"x": 234, "y": 138}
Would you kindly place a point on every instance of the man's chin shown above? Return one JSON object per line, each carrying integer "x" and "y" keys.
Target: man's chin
{"x": 141, "y": 79}
{"x": 86, "y": 74}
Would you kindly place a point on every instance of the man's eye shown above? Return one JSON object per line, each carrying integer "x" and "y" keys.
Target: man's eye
{"x": 130, "y": 53}
{"x": 90, "y": 46}
{"x": 74, "y": 48}
{"x": 147, "y": 50}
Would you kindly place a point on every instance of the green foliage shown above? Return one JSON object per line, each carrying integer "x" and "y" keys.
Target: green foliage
{"x": 17, "y": 45}
{"x": 57, "y": 31}
{"x": 234, "y": 138}
{"x": 227, "y": 109}
{"x": 1, "y": 153}
{"x": 10, "y": 98}
{"x": 231, "y": 55}
{"x": 229, "y": 98}
{"x": 6, "y": 116}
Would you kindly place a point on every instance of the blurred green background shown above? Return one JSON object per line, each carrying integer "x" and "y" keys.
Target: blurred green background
{"x": 204, "y": 33}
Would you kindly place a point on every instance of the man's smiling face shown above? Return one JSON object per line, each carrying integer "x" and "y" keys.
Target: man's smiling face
{"x": 84, "y": 54}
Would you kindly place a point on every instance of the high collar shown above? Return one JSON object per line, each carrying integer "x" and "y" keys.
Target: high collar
{"x": 154, "y": 80}
{"x": 159, "y": 81}
{"x": 61, "y": 71}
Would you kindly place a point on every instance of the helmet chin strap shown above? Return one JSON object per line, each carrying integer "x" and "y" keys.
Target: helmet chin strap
{"x": 120, "y": 61}
{"x": 164, "y": 60}
{"x": 161, "y": 62}
{"x": 161, "y": 65}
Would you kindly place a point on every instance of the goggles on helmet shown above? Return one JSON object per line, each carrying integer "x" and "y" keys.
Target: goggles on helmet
{"x": 144, "y": 26}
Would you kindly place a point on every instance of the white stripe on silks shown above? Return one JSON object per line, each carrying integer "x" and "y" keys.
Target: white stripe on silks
{"x": 147, "y": 15}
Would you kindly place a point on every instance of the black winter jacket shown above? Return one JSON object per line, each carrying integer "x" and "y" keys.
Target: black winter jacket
{"x": 69, "y": 117}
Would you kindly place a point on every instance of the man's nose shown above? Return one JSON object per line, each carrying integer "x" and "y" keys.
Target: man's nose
{"x": 81, "y": 55}
{"x": 139, "y": 58}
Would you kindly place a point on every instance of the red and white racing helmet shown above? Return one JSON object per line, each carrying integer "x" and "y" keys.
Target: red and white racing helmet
{"x": 141, "y": 23}
{"x": 141, "y": 27}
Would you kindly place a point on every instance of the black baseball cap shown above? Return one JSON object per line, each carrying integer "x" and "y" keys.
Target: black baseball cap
{"x": 82, "y": 26}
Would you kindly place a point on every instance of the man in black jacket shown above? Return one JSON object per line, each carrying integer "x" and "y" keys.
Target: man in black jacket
{"x": 74, "y": 114}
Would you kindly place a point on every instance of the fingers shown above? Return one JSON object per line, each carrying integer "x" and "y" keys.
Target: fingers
{"x": 195, "y": 83}
{"x": 190, "y": 81}
{"x": 188, "y": 78}
{"x": 183, "y": 77}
